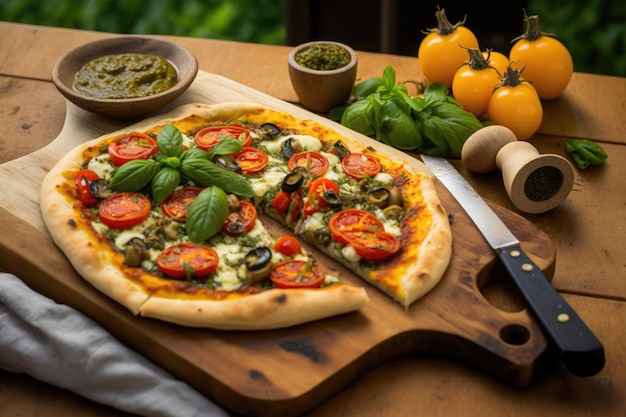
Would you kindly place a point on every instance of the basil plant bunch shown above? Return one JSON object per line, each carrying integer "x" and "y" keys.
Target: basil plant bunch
{"x": 434, "y": 124}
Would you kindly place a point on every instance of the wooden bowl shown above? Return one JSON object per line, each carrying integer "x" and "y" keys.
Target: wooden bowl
{"x": 322, "y": 90}
{"x": 72, "y": 61}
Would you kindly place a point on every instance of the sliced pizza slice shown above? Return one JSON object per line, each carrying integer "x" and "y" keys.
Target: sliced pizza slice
{"x": 377, "y": 216}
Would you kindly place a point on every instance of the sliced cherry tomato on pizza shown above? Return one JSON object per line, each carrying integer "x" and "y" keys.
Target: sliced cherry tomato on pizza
{"x": 289, "y": 204}
{"x": 295, "y": 206}
{"x": 375, "y": 246}
{"x": 210, "y": 136}
{"x": 347, "y": 224}
{"x": 177, "y": 204}
{"x": 358, "y": 165}
{"x": 252, "y": 160}
{"x": 288, "y": 245}
{"x": 281, "y": 202}
{"x": 317, "y": 196}
{"x": 83, "y": 179}
{"x": 130, "y": 147}
{"x": 124, "y": 210}
{"x": 365, "y": 233}
{"x": 241, "y": 221}
{"x": 314, "y": 162}
{"x": 186, "y": 259}
{"x": 296, "y": 273}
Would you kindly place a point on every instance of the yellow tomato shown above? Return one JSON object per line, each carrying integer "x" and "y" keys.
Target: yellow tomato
{"x": 475, "y": 81}
{"x": 548, "y": 64}
{"x": 516, "y": 105}
{"x": 441, "y": 52}
{"x": 497, "y": 60}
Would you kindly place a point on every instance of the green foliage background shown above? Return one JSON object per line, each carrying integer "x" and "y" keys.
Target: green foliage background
{"x": 259, "y": 21}
{"x": 593, "y": 30}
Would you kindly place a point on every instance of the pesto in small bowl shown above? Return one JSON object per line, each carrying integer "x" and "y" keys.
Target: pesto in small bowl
{"x": 323, "y": 57}
{"x": 125, "y": 76}
{"x": 322, "y": 74}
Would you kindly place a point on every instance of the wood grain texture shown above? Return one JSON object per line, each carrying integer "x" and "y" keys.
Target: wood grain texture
{"x": 587, "y": 109}
{"x": 245, "y": 371}
{"x": 587, "y": 230}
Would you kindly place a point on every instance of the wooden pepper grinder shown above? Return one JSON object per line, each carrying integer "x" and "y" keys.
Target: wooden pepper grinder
{"x": 535, "y": 183}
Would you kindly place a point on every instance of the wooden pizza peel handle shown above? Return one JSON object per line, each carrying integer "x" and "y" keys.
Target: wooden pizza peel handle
{"x": 474, "y": 314}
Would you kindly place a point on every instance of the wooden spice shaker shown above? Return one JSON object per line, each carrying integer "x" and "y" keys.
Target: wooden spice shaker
{"x": 535, "y": 183}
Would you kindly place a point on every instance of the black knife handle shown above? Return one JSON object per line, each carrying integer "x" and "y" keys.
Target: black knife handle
{"x": 580, "y": 350}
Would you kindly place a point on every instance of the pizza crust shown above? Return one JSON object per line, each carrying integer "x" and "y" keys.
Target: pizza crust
{"x": 90, "y": 263}
{"x": 434, "y": 252}
{"x": 423, "y": 262}
{"x": 270, "y": 309}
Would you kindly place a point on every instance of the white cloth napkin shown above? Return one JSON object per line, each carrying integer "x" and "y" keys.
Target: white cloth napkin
{"x": 59, "y": 345}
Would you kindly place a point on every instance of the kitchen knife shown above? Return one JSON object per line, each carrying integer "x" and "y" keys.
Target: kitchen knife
{"x": 580, "y": 350}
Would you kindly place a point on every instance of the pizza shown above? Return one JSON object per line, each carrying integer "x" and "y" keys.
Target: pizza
{"x": 202, "y": 219}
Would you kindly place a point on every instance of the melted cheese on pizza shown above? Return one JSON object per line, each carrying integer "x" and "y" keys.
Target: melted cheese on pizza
{"x": 229, "y": 279}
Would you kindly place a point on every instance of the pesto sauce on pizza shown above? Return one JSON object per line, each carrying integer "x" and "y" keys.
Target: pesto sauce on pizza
{"x": 379, "y": 244}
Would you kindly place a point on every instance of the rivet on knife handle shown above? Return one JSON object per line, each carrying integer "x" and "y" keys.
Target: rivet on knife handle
{"x": 580, "y": 350}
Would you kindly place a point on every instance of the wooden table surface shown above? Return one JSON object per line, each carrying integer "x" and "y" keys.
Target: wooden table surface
{"x": 587, "y": 231}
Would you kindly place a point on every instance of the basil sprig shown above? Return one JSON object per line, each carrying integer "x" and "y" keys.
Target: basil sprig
{"x": 434, "y": 124}
{"x": 170, "y": 141}
{"x": 205, "y": 173}
{"x": 165, "y": 171}
{"x": 227, "y": 145}
{"x": 207, "y": 214}
{"x": 174, "y": 165}
{"x": 134, "y": 175}
{"x": 164, "y": 183}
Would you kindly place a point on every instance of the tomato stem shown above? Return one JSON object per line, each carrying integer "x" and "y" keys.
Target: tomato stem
{"x": 533, "y": 29}
{"x": 512, "y": 77}
{"x": 477, "y": 61}
{"x": 444, "y": 27}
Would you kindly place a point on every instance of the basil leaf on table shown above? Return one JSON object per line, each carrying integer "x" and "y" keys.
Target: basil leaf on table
{"x": 447, "y": 126}
{"x": 395, "y": 127}
{"x": 134, "y": 175}
{"x": 359, "y": 116}
{"x": 434, "y": 124}
{"x": 206, "y": 214}
{"x": 170, "y": 141}
{"x": 436, "y": 92}
{"x": 336, "y": 113}
{"x": 389, "y": 78}
{"x": 205, "y": 173}
{"x": 164, "y": 183}
{"x": 366, "y": 87}
{"x": 585, "y": 152}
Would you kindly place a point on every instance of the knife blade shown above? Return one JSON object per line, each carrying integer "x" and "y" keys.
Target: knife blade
{"x": 580, "y": 350}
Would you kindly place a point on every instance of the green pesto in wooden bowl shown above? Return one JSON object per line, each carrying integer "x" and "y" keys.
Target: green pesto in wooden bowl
{"x": 147, "y": 100}
{"x": 125, "y": 76}
{"x": 323, "y": 57}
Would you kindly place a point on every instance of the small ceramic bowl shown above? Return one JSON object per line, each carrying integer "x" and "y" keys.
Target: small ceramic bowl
{"x": 322, "y": 90}
{"x": 72, "y": 61}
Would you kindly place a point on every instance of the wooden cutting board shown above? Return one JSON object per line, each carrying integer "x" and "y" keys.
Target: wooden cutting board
{"x": 474, "y": 315}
